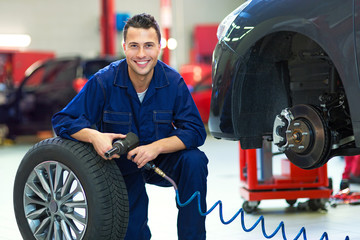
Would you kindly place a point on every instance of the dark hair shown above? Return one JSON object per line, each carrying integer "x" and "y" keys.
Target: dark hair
{"x": 142, "y": 20}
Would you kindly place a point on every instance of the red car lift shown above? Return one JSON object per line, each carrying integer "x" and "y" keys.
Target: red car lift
{"x": 259, "y": 183}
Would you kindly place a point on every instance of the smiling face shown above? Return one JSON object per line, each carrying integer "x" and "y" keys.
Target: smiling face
{"x": 141, "y": 49}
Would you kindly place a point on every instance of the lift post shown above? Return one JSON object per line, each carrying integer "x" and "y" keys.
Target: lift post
{"x": 259, "y": 182}
{"x": 107, "y": 28}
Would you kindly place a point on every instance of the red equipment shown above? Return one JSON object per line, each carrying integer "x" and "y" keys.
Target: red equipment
{"x": 259, "y": 183}
{"x": 198, "y": 79}
{"x": 108, "y": 33}
{"x": 13, "y": 64}
{"x": 345, "y": 197}
{"x": 204, "y": 41}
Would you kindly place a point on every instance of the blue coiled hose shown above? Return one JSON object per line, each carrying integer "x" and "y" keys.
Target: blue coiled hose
{"x": 261, "y": 219}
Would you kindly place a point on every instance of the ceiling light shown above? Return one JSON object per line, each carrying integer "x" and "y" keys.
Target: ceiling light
{"x": 14, "y": 40}
{"x": 172, "y": 43}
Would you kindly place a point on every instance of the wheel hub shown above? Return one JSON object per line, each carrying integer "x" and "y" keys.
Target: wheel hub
{"x": 300, "y": 133}
{"x": 53, "y": 206}
{"x": 299, "y": 136}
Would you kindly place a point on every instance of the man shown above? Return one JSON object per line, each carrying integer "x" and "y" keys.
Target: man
{"x": 143, "y": 95}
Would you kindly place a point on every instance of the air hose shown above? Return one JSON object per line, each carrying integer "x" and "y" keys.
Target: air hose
{"x": 281, "y": 226}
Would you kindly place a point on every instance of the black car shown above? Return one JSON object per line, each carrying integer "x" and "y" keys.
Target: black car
{"x": 287, "y": 71}
{"x": 47, "y": 87}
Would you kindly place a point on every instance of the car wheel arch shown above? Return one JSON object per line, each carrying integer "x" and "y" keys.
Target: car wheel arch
{"x": 255, "y": 103}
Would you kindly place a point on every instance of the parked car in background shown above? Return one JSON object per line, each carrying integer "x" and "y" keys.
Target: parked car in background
{"x": 47, "y": 87}
{"x": 288, "y": 72}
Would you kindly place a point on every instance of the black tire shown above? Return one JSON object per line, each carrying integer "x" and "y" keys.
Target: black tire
{"x": 291, "y": 202}
{"x": 318, "y": 203}
{"x": 248, "y": 208}
{"x": 85, "y": 196}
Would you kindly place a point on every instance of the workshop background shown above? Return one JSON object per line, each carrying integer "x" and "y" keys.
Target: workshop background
{"x": 72, "y": 28}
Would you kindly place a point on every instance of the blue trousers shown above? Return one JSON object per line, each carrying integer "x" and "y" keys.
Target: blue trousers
{"x": 188, "y": 168}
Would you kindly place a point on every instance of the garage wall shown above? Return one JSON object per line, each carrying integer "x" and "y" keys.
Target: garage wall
{"x": 70, "y": 27}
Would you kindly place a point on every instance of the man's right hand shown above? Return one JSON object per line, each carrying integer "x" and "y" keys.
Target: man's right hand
{"x": 102, "y": 142}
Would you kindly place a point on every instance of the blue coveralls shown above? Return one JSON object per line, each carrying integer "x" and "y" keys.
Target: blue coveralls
{"x": 110, "y": 102}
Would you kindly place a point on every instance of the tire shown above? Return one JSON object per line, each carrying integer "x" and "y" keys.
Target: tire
{"x": 318, "y": 203}
{"x": 85, "y": 197}
{"x": 291, "y": 202}
{"x": 249, "y": 207}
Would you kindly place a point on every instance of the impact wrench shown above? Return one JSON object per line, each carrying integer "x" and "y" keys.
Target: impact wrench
{"x": 130, "y": 142}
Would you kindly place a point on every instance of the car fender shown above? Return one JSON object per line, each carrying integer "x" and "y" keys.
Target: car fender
{"x": 261, "y": 18}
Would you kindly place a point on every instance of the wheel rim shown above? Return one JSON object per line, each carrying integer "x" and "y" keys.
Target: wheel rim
{"x": 55, "y": 203}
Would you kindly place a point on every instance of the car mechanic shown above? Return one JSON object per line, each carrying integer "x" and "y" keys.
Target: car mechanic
{"x": 143, "y": 95}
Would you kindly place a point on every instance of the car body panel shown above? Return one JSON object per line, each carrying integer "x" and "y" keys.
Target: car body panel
{"x": 330, "y": 24}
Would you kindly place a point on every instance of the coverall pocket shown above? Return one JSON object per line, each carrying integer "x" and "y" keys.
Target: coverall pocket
{"x": 163, "y": 123}
{"x": 117, "y": 122}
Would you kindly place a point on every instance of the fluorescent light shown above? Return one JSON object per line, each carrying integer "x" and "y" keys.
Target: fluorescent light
{"x": 14, "y": 40}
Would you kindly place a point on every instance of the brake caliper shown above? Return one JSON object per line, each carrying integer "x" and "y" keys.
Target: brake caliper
{"x": 281, "y": 125}
{"x": 291, "y": 133}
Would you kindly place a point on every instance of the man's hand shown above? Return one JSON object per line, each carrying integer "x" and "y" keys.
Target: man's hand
{"x": 102, "y": 142}
{"x": 143, "y": 154}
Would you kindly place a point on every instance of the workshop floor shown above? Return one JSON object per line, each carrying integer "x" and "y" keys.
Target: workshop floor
{"x": 223, "y": 184}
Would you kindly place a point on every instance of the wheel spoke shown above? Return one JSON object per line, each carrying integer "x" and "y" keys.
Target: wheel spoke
{"x": 43, "y": 181}
{"x": 42, "y": 227}
{"x": 50, "y": 230}
{"x": 67, "y": 185}
{"x": 57, "y": 231}
{"x": 76, "y": 204}
{"x": 77, "y": 190}
{"x": 76, "y": 217}
{"x": 65, "y": 230}
{"x": 29, "y": 200}
{"x": 36, "y": 214}
{"x": 74, "y": 228}
{"x": 38, "y": 191}
{"x": 50, "y": 174}
{"x": 58, "y": 180}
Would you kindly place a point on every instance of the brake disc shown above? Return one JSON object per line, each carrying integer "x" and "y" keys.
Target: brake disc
{"x": 300, "y": 132}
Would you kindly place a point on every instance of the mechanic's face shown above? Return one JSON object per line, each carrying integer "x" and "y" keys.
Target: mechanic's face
{"x": 142, "y": 49}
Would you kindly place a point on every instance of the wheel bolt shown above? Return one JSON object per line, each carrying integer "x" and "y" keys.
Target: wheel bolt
{"x": 64, "y": 208}
{"x": 58, "y": 218}
{"x": 58, "y": 196}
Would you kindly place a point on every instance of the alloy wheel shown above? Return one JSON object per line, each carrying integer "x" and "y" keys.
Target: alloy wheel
{"x": 55, "y": 203}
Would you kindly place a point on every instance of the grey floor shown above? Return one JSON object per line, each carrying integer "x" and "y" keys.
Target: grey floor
{"x": 224, "y": 185}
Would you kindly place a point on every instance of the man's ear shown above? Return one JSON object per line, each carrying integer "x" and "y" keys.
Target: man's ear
{"x": 124, "y": 46}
